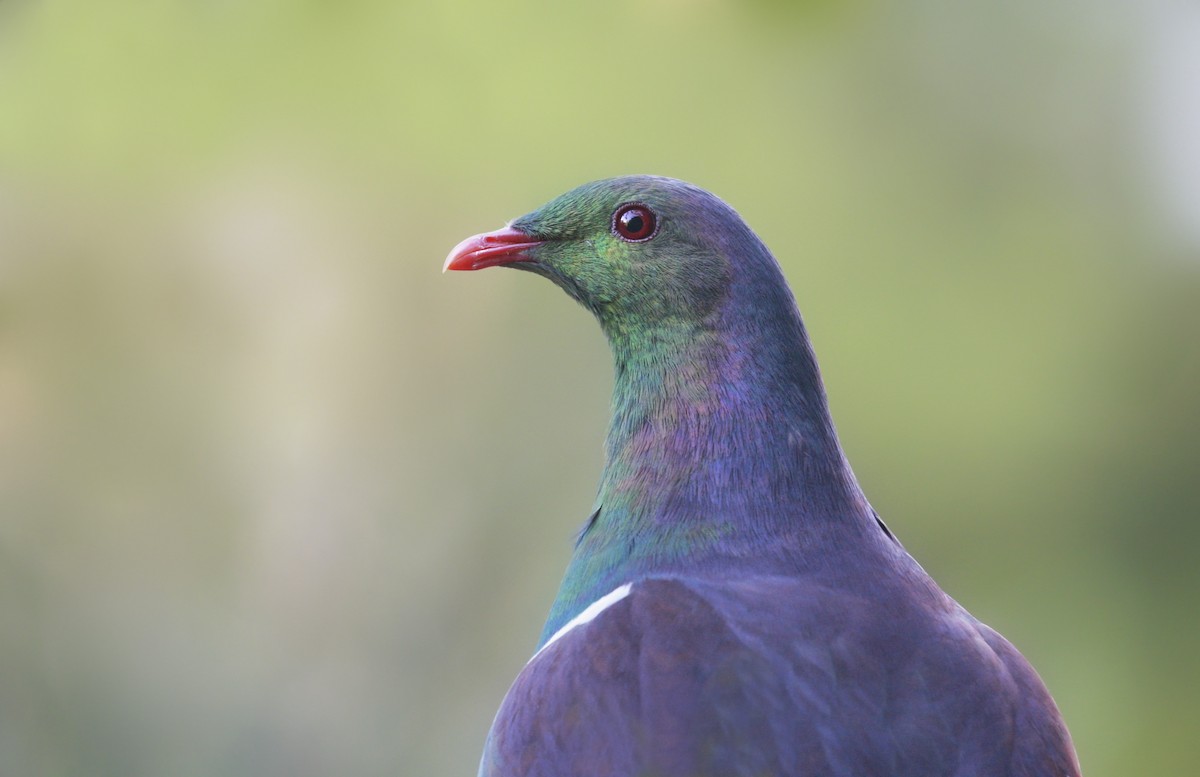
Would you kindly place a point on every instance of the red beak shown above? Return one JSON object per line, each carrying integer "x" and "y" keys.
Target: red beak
{"x": 504, "y": 246}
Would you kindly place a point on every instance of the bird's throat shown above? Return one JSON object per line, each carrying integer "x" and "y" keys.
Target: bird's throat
{"x": 711, "y": 424}
{"x": 716, "y": 460}
{"x": 721, "y": 457}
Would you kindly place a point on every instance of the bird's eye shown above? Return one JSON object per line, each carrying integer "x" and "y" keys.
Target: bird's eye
{"x": 634, "y": 222}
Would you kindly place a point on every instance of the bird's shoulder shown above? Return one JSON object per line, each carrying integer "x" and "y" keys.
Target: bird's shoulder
{"x": 762, "y": 675}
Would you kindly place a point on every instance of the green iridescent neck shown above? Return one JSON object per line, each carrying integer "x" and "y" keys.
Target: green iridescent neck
{"x": 720, "y": 453}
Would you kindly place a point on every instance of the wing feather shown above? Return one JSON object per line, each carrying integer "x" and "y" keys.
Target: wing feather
{"x": 776, "y": 676}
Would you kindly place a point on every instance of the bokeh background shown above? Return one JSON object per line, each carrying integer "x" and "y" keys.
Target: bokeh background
{"x": 278, "y": 498}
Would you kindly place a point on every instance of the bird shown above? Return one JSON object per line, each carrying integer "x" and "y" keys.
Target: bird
{"x": 734, "y": 606}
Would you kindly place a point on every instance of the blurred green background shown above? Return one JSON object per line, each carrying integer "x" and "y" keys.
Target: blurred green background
{"x": 278, "y": 498}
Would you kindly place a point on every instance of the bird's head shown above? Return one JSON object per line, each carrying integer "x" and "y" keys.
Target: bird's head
{"x": 711, "y": 357}
{"x": 638, "y": 251}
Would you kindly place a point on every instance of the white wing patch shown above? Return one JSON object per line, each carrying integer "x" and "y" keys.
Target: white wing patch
{"x": 589, "y": 613}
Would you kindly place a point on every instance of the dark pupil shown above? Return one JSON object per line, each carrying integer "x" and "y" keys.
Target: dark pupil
{"x": 633, "y": 221}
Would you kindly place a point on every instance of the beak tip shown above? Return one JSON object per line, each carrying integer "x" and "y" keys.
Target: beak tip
{"x": 460, "y": 257}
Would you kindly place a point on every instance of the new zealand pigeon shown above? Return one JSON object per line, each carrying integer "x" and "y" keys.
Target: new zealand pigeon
{"x": 734, "y": 606}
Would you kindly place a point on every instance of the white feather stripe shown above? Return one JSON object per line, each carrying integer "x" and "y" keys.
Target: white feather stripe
{"x": 588, "y": 614}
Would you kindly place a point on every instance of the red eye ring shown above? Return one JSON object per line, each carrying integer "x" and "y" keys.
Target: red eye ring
{"x": 634, "y": 222}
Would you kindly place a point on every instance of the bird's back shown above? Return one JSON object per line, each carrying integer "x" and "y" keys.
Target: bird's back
{"x": 775, "y": 676}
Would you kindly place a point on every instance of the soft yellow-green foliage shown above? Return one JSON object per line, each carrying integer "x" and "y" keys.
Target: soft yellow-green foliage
{"x": 277, "y": 497}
